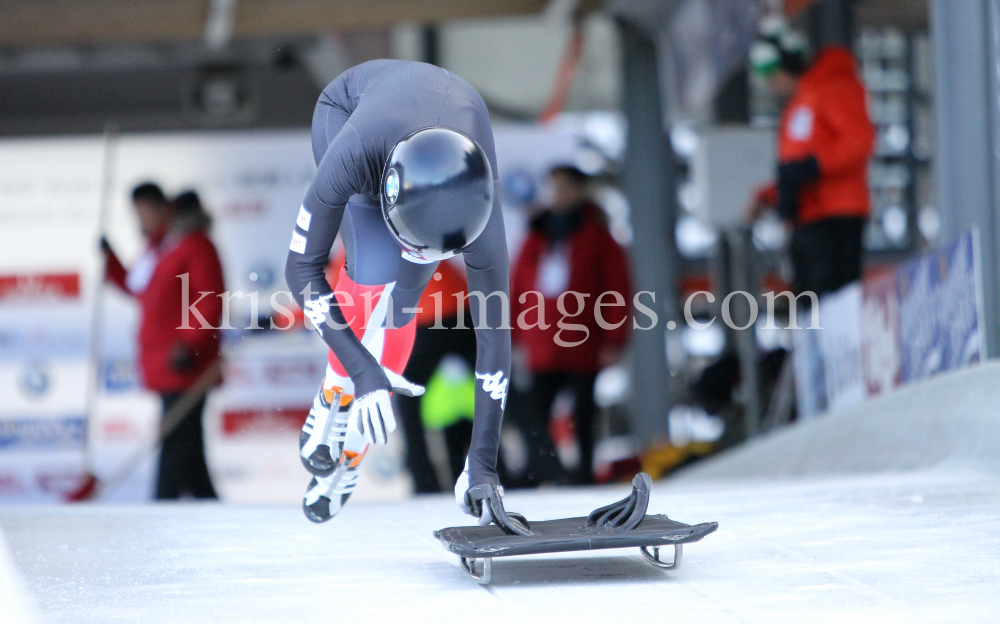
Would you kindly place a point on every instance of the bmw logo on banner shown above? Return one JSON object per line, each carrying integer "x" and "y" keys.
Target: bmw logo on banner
{"x": 35, "y": 381}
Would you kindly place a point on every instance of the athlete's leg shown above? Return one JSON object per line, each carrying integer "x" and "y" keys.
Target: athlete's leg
{"x": 371, "y": 255}
{"x": 367, "y": 309}
{"x": 426, "y": 355}
{"x": 328, "y": 492}
{"x": 364, "y": 309}
{"x": 323, "y": 433}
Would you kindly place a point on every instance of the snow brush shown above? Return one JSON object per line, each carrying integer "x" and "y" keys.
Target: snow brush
{"x": 91, "y": 487}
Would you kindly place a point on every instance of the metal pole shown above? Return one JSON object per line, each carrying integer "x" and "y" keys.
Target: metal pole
{"x": 831, "y": 22}
{"x": 95, "y": 377}
{"x": 648, "y": 182}
{"x": 431, "y": 45}
{"x": 966, "y": 49}
{"x": 742, "y": 277}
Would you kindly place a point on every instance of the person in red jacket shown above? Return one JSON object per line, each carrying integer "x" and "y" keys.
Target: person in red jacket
{"x": 568, "y": 264}
{"x": 824, "y": 144}
{"x": 177, "y": 281}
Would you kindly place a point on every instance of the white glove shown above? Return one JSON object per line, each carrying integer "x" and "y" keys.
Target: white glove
{"x": 372, "y": 414}
{"x": 401, "y": 385}
{"x": 461, "y": 487}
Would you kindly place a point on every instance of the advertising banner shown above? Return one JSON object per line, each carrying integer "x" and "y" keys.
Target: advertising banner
{"x": 880, "y": 353}
{"x": 898, "y": 326}
{"x": 810, "y": 375}
{"x": 71, "y": 396}
{"x": 840, "y": 342}
{"x": 939, "y": 303}
{"x": 251, "y": 183}
{"x": 49, "y": 212}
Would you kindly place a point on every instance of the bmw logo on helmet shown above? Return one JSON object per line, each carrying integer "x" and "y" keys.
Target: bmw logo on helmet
{"x": 392, "y": 186}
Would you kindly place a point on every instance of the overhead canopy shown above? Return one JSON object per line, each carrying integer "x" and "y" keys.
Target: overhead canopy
{"x": 57, "y": 22}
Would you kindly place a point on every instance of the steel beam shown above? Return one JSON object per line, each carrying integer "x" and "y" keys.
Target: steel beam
{"x": 966, "y": 53}
{"x": 648, "y": 181}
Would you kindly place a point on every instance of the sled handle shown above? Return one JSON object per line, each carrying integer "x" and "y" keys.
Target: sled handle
{"x": 627, "y": 513}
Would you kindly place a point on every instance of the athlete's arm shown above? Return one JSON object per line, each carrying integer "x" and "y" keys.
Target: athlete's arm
{"x": 488, "y": 273}
{"x": 316, "y": 226}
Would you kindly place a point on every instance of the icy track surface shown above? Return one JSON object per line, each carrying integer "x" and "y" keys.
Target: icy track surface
{"x": 919, "y": 547}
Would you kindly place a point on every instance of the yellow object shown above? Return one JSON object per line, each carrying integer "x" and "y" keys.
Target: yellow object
{"x": 662, "y": 459}
{"x": 450, "y": 396}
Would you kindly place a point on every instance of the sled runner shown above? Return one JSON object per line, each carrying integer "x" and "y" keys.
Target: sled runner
{"x": 623, "y": 524}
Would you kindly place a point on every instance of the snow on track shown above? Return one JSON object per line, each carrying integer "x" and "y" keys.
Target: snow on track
{"x": 15, "y": 604}
{"x": 820, "y": 522}
{"x": 919, "y": 547}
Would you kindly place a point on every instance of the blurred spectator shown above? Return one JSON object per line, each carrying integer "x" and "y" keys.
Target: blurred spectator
{"x": 177, "y": 281}
{"x": 568, "y": 250}
{"x": 824, "y": 144}
{"x": 431, "y": 346}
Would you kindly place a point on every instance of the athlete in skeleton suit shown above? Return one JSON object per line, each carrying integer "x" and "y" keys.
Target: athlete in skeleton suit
{"x": 407, "y": 175}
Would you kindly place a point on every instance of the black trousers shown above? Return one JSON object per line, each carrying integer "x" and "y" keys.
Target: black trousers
{"x": 827, "y": 254}
{"x": 543, "y": 462}
{"x": 429, "y": 347}
{"x": 182, "y": 467}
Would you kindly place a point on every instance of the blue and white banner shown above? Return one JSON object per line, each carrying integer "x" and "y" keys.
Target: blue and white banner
{"x": 922, "y": 318}
{"x": 939, "y": 310}
{"x": 49, "y": 265}
{"x": 840, "y": 342}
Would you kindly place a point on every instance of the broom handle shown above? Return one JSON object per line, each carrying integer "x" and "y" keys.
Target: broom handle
{"x": 95, "y": 375}
{"x": 172, "y": 419}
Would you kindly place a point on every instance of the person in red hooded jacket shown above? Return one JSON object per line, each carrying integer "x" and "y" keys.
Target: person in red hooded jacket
{"x": 178, "y": 330}
{"x": 568, "y": 264}
{"x": 825, "y": 141}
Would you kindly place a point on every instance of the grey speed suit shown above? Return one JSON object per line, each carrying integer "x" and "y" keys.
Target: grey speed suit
{"x": 359, "y": 118}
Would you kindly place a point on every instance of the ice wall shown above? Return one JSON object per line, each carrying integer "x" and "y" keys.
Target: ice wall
{"x": 952, "y": 419}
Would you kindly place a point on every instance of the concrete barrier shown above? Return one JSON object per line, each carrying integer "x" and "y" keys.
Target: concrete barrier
{"x": 950, "y": 419}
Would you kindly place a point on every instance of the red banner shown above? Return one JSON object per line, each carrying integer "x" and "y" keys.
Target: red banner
{"x": 30, "y": 287}
{"x": 256, "y": 421}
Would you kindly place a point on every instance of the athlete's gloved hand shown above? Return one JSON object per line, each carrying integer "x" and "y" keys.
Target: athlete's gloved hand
{"x": 372, "y": 414}
{"x": 461, "y": 488}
